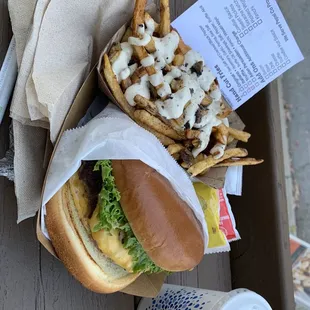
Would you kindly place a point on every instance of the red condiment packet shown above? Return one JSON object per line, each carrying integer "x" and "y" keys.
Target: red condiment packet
{"x": 227, "y": 220}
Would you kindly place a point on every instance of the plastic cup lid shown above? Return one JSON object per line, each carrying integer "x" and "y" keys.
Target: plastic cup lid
{"x": 246, "y": 301}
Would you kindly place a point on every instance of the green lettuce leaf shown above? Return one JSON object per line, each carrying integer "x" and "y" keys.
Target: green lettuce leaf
{"x": 111, "y": 216}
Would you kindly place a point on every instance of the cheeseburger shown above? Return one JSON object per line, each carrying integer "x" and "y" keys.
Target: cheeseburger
{"x": 114, "y": 220}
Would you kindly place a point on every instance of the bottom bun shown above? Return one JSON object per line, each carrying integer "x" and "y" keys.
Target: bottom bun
{"x": 78, "y": 251}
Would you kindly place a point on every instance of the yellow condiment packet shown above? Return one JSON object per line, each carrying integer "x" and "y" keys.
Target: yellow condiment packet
{"x": 209, "y": 200}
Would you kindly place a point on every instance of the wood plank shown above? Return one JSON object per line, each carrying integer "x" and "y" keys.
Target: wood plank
{"x": 261, "y": 260}
{"x": 62, "y": 291}
{"x": 19, "y": 251}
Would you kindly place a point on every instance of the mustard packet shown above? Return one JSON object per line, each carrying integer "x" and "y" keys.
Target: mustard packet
{"x": 210, "y": 203}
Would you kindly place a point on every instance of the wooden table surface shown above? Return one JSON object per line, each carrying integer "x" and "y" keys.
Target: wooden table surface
{"x": 30, "y": 278}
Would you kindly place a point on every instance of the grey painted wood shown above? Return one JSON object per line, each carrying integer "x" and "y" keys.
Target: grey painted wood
{"x": 19, "y": 250}
{"x": 32, "y": 279}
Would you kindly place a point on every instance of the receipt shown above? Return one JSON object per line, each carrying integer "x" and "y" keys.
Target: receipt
{"x": 246, "y": 43}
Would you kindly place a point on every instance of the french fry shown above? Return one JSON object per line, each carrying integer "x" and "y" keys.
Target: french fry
{"x": 150, "y": 47}
{"x": 185, "y": 165}
{"x": 196, "y": 143}
{"x": 182, "y": 47}
{"x": 175, "y": 148}
{"x": 115, "y": 87}
{"x": 192, "y": 161}
{"x": 137, "y": 75}
{"x": 187, "y": 104}
{"x": 230, "y": 139}
{"x": 138, "y": 16}
{"x": 177, "y": 85}
{"x": 239, "y": 162}
{"x": 225, "y": 113}
{"x": 141, "y": 54}
{"x": 188, "y": 143}
{"x": 179, "y": 121}
{"x": 126, "y": 83}
{"x": 127, "y": 34}
{"x": 146, "y": 104}
{"x": 178, "y": 60}
{"x": 164, "y": 27}
{"x": 153, "y": 122}
{"x": 179, "y": 139}
{"x": 210, "y": 161}
{"x": 221, "y": 134}
{"x": 166, "y": 141}
{"x": 238, "y": 134}
{"x": 192, "y": 134}
{"x": 207, "y": 100}
{"x": 168, "y": 68}
{"x": 147, "y": 17}
{"x": 114, "y": 55}
{"x": 176, "y": 156}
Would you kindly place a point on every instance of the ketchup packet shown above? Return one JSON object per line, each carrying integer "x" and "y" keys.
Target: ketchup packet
{"x": 227, "y": 220}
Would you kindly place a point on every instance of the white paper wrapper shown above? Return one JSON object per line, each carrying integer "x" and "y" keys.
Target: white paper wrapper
{"x": 233, "y": 181}
{"x": 113, "y": 135}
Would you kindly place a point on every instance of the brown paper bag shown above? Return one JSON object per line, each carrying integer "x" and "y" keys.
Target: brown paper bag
{"x": 215, "y": 176}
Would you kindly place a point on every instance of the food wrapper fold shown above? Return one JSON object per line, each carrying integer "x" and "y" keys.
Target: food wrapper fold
{"x": 113, "y": 135}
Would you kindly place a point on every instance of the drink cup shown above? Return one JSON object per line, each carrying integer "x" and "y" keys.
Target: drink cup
{"x": 173, "y": 297}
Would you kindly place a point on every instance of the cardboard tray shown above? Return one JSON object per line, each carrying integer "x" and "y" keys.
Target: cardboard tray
{"x": 145, "y": 285}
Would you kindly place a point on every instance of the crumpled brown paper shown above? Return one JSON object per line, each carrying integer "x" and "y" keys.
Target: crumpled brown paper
{"x": 63, "y": 41}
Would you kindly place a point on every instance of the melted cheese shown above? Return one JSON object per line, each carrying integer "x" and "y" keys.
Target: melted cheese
{"x": 141, "y": 88}
{"x": 165, "y": 90}
{"x": 173, "y": 107}
{"x": 145, "y": 40}
{"x": 120, "y": 65}
{"x": 80, "y": 196}
{"x": 218, "y": 150}
{"x": 150, "y": 26}
{"x": 216, "y": 94}
{"x": 213, "y": 109}
{"x": 166, "y": 47}
{"x": 205, "y": 134}
{"x": 206, "y": 79}
{"x": 110, "y": 245}
{"x": 157, "y": 78}
{"x": 197, "y": 95}
{"x": 196, "y": 84}
{"x": 173, "y": 74}
{"x": 148, "y": 61}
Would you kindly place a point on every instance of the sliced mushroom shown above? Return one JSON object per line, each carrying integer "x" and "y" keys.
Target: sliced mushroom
{"x": 200, "y": 113}
{"x": 187, "y": 157}
{"x": 197, "y": 68}
{"x": 176, "y": 85}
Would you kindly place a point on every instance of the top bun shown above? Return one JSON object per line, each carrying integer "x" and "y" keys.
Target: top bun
{"x": 163, "y": 223}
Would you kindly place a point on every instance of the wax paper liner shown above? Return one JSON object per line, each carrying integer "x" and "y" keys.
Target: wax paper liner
{"x": 113, "y": 135}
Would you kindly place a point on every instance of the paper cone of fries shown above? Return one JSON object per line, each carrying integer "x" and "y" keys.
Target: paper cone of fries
{"x": 162, "y": 84}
